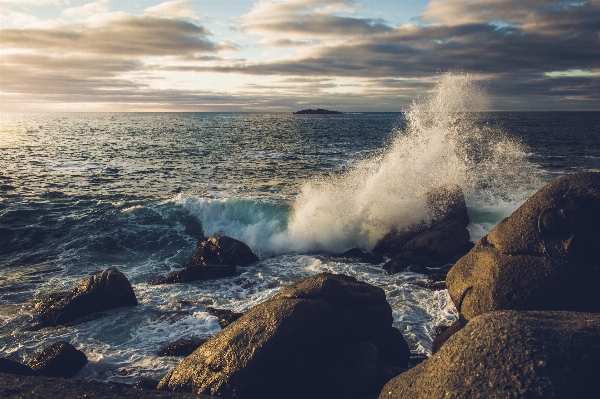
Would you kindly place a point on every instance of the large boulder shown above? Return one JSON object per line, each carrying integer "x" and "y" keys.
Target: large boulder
{"x": 293, "y": 345}
{"x": 216, "y": 257}
{"x": 61, "y": 359}
{"x": 104, "y": 291}
{"x": 545, "y": 256}
{"x": 510, "y": 354}
{"x": 440, "y": 239}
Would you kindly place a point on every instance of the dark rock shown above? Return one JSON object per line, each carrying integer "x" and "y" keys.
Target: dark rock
{"x": 225, "y": 316}
{"x": 182, "y": 347}
{"x": 285, "y": 346}
{"x": 385, "y": 373}
{"x": 510, "y": 354}
{"x": 431, "y": 285}
{"x": 360, "y": 256}
{"x": 542, "y": 257}
{"x": 216, "y": 257}
{"x": 443, "y": 333}
{"x": 146, "y": 383}
{"x": 198, "y": 272}
{"x": 394, "y": 350}
{"x": 39, "y": 387}
{"x": 61, "y": 359}
{"x": 107, "y": 290}
{"x": 223, "y": 250}
{"x": 353, "y": 372}
{"x": 447, "y": 208}
{"x": 9, "y": 366}
{"x": 417, "y": 359}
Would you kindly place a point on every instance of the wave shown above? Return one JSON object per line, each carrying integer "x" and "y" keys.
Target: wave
{"x": 444, "y": 142}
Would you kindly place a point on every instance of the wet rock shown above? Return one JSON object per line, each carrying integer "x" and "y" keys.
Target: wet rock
{"x": 542, "y": 257}
{"x": 104, "y": 291}
{"x": 198, "y": 272}
{"x": 61, "y": 359}
{"x": 285, "y": 346}
{"x": 510, "y": 354}
{"x": 358, "y": 255}
{"x": 442, "y": 239}
{"x": 225, "y": 316}
{"x": 223, "y": 250}
{"x": 216, "y": 257}
{"x": 445, "y": 205}
{"x": 146, "y": 383}
{"x": 443, "y": 333}
{"x": 9, "y": 366}
{"x": 182, "y": 347}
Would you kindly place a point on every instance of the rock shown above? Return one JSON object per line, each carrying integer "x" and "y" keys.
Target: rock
{"x": 285, "y": 346}
{"x": 353, "y": 371}
{"x": 198, "y": 272}
{"x": 146, "y": 383}
{"x": 38, "y": 387}
{"x": 360, "y": 256}
{"x": 9, "y": 366}
{"x": 441, "y": 239}
{"x": 182, "y": 347}
{"x": 225, "y": 316}
{"x": 216, "y": 257}
{"x": 417, "y": 359}
{"x": 223, "y": 250}
{"x": 443, "y": 333}
{"x": 61, "y": 359}
{"x": 542, "y": 257}
{"x": 107, "y": 290}
{"x": 510, "y": 354}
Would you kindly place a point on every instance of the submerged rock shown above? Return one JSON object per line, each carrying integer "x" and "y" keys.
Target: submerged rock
{"x": 216, "y": 257}
{"x": 104, "y": 291}
{"x": 442, "y": 239}
{"x": 545, "y": 256}
{"x": 61, "y": 359}
{"x": 290, "y": 346}
{"x": 510, "y": 354}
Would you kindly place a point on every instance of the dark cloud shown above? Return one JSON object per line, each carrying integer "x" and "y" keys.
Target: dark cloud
{"x": 125, "y": 35}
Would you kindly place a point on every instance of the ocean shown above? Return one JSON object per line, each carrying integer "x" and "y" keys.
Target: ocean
{"x": 81, "y": 192}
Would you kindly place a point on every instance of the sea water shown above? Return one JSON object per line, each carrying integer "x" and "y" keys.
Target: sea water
{"x": 83, "y": 192}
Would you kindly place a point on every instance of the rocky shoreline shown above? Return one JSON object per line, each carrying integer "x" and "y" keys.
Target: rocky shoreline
{"x": 526, "y": 294}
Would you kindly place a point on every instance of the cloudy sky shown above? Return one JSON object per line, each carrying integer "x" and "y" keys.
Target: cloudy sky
{"x": 284, "y": 55}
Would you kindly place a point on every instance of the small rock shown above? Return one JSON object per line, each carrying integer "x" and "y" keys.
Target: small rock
{"x": 61, "y": 359}
{"x": 107, "y": 290}
{"x": 225, "y": 316}
{"x": 182, "y": 347}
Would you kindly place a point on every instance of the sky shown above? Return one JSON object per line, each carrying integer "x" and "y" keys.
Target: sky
{"x": 286, "y": 55}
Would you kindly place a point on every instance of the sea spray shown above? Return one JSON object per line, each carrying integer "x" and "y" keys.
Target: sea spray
{"x": 445, "y": 142}
{"x": 442, "y": 144}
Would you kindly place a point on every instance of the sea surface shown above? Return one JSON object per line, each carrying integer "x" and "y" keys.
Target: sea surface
{"x": 81, "y": 192}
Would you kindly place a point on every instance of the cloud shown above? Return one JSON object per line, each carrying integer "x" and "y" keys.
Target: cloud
{"x": 276, "y": 43}
{"x": 307, "y": 18}
{"x": 98, "y": 7}
{"x": 178, "y": 9}
{"x": 119, "y": 34}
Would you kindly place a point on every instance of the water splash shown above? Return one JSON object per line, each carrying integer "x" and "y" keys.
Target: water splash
{"x": 442, "y": 144}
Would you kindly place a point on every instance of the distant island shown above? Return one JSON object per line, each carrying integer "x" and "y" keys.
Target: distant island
{"x": 317, "y": 111}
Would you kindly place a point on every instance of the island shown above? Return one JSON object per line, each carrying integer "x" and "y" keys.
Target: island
{"x": 317, "y": 111}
